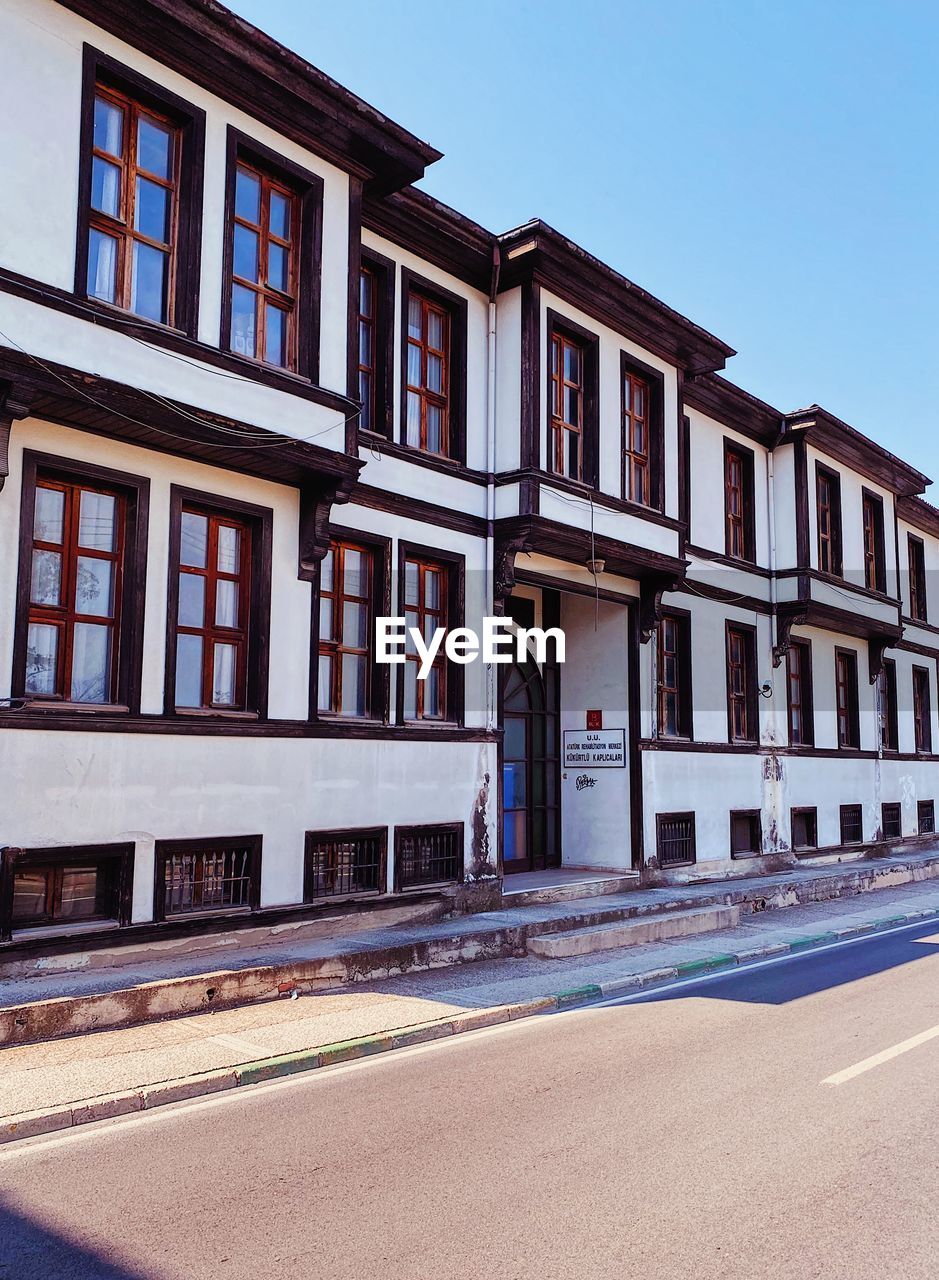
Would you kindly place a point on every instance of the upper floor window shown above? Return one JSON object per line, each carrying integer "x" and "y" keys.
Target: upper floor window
{"x": 346, "y": 622}
{"x": 922, "y": 716}
{"x": 742, "y": 707}
{"x": 566, "y": 451}
{"x": 428, "y": 375}
{"x": 917, "y": 562}
{"x": 368, "y": 347}
{"x": 828, "y": 515}
{"x": 264, "y": 269}
{"x": 846, "y": 698}
{"x": 875, "y": 573}
{"x": 801, "y": 717}
{"x": 132, "y": 225}
{"x": 673, "y": 661}
{"x": 887, "y": 714}
{"x": 738, "y": 503}
{"x": 637, "y": 432}
{"x": 426, "y": 599}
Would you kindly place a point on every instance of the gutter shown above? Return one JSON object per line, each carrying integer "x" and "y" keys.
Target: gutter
{"x": 490, "y": 472}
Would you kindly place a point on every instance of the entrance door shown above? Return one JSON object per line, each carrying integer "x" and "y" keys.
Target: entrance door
{"x": 530, "y": 794}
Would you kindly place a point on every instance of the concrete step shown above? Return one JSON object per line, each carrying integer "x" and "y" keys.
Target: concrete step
{"x": 630, "y": 933}
{"x": 566, "y": 889}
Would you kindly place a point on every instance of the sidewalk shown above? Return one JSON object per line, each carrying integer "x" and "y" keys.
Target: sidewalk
{"x": 55, "y": 1085}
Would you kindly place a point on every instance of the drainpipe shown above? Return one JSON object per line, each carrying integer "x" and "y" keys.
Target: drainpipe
{"x": 491, "y": 476}
{"x": 774, "y": 783}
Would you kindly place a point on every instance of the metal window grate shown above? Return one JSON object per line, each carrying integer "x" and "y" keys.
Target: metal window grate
{"x": 339, "y": 863}
{"x": 216, "y": 878}
{"x": 852, "y": 824}
{"x": 675, "y": 839}
{"x": 926, "y": 817}
{"x": 428, "y": 855}
{"x": 892, "y": 826}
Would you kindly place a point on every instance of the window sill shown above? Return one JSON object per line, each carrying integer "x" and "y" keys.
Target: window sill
{"x": 211, "y": 713}
{"x": 129, "y": 318}
{"x": 42, "y": 706}
{"x": 26, "y": 932}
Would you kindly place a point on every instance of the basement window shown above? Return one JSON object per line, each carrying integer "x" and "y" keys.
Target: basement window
{"x": 675, "y": 839}
{"x": 428, "y": 855}
{"x": 804, "y": 826}
{"x": 926, "y": 817}
{"x": 195, "y": 877}
{"x": 852, "y": 824}
{"x": 46, "y": 888}
{"x": 342, "y": 863}
{"x": 891, "y": 824}
{"x": 746, "y": 833}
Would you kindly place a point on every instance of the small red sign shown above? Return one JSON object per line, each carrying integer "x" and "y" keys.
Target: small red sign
{"x": 594, "y": 719}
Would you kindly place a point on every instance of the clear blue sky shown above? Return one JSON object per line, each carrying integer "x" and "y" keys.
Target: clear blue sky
{"x": 767, "y": 168}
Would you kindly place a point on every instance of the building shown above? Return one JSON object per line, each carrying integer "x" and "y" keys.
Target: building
{"x": 257, "y": 389}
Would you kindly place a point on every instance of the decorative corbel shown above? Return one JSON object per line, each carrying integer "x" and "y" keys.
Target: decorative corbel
{"x": 876, "y": 647}
{"x": 507, "y": 549}
{"x": 784, "y": 624}
{"x": 651, "y": 589}
{"x": 15, "y": 405}
{"x": 316, "y": 503}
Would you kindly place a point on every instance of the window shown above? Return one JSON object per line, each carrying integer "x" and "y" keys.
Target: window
{"x": 218, "y": 611}
{"x": 641, "y": 411}
{"x": 926, "y": 817}
{"x": 801, "y": 712}
{"x": 196, "y": 876}
{"x": 891, "y": 822}
{"x": 675, "y": 839}
{"x": 852, "y": 824}
{"x": 428, "y": 375}
{"x": 368, "y": 346}
{"x": 264, "y": 268}
{"x": 738, "y": 502}
{"x": 846, "y": 698}
{"x": 917, "y": 563}
{"x": 742, "y": 713}
{"x": 887, "y": 706}
{"x": 673, "y": 659}
{"x": 82, "y": 556}
{"x": 66, "y": 886}
{"x": 875, "y": 574}
{"x": 346, "y": 627}
{"x": 426, "y": 598}
{"x": 428, "y": 855}
{"x": 566, "y": 453}
{"x": 341, "y": 863}
{"x": 922, "y": 717}
{"x": 746, "y": 833}
{"x": 828, "y": 498}
{"x": 804, "y": 827}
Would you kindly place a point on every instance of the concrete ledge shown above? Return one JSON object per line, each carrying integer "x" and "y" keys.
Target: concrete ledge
{"x": 632, "y": 933}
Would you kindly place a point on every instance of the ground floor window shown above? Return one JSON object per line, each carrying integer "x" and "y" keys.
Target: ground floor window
{"x": 338, "y": 863}
{"x": 76, "y": 885}
{"x": 804, "y": 826}
{"x": 428, "y": 855}
{"x": 926, "y": 817}
{"x": 746, "y": 833}
{"x": 891, "y": 823}
{"x": 852, "y": 824}
{"x": 675, "y": 839}
{"x": 196, "y": 876}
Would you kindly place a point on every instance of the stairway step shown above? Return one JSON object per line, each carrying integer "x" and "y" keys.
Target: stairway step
{"x": 568, "y": 890}
{"x": 633, "y": 932}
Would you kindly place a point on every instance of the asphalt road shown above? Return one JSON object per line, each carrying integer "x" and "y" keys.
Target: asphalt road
{"x": 693, "y": 1133}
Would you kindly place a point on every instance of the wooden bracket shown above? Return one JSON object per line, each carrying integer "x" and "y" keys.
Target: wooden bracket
{"x": 785, "y": 623}
{"x": 506, "y": 551}
{"x": 651, "y": 589}
{"x": 316, "y": 503}
{"x": 14, "y": 405}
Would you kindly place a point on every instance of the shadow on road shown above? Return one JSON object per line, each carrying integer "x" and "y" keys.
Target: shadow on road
{"x": 31, "y": 1251}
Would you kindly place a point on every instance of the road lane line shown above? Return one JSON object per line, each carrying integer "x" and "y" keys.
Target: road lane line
{"x": 877, "y": 1059}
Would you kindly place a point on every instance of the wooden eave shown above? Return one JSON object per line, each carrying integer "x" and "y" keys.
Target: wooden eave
{"x": 919, "y": 513}
{"x": 846, "y": 445}
{"x": 735, "y": 408}
{"x": 434, "y": 232}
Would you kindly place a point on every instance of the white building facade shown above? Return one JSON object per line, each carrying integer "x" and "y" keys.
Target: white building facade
{"x": 257, "y": 390}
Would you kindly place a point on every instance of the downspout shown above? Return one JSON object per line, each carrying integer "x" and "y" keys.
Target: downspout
{"x": 491, "y": 709}
{"x": 775, "y": 782}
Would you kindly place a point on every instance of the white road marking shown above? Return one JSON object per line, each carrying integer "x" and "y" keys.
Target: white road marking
{"x": 886, "y": 1055}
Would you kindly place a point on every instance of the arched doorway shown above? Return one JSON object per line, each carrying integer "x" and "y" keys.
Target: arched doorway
{"x": 530, "y": 789}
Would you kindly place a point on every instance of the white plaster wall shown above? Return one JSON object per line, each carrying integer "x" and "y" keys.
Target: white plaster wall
{"x": 705, "y": 785}
{"x": 508, "y": 380}
{"x": 784, "y": 504}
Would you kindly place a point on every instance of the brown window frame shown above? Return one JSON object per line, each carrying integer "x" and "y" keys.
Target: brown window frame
{"x": 53, "y": 861}
{"x": 645, "y": 462}
{"x": 748, "y": 697}
{"x": 256, "y": 629}
{"x": 803, "y": 648}
{"x": 450, "y": 615}
{"x": 379, "y": 393}
{"x": 376, "y": 601}
{"x": 848, "y": 814}
{"x": 566, "y": 332}
{"x": 753, "y": 818}
{"x": 103, "y": 73}
{"x": 916, "y": 561}
{"x": 891, "y": 814}
{"x": 922, "y": 710}
{"x": 847, "y": 719}
{"x": 127, "y": 626}
{"x": 679, "y": 621}
{"x": 926, "y": 817}
{"x": 739, "y": 513}
{"x": 454, "y": 401}
{"x": 829, "y": 540}
{"x": 453, "y": 831}
{"x": 325, "y": 852}
{"x": 662, "y": 820}
{"x": 872, "y": 515}
{"x": 306, "y": 192}
{"x": 888, "y": 709}
{"x": 207, "y": 846}
{"x": 810, "y": 813}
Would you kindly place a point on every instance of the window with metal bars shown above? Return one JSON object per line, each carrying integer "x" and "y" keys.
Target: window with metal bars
{"x": 926, "y": 817}
{"x": 891, "y": 821}
{"x": 803, "y": 825}
{"x": 428, "y": 855}
{"x": 343, "y": 863}
{"x": 675, "y": 839}
{"x": 852, "y": 823}
{"x": 195, "y": 876}
{"x": 746, "y": 833}
{"x": 917, "y": 566}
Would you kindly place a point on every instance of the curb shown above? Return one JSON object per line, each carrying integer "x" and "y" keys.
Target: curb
{"x": 31, "y": 1124}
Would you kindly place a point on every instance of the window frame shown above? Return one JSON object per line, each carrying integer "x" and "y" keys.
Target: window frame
{"x": 687, "y": 815}
{"x": 846, "y": 813}
{"x": 257, "y": 645}
{"x": 806, "y": 811}
{"x": 747, "y": 518}
{"x": 873, "y": 539}
{"x": 654, "y": 381}
{"x": 163, "y": 849}
{"x": 456, "y": 308}
{"x": 834, "y": 538}
{"x": 916, "y": 552}
{"x": 851, "y": 742}
{"x": 382, "y": 270}
{"x": 13, "y": 860}
{"x": 751, "y": 694}
{"x": 924, "y": 809}
{"x": 338, "y": 836}
{"x": 128, "y": 628}
{"x": 379, "y": 549}
{"x": 307, "y": 189}
{"x": 888, "y": 727}
{"x": 681, "y": 618}
{"x": 589, "y": 343}
{"x": 802, "y": 646}
{"x": 895, "y": 808}
{"x": 99, "y": 69}
{"x": 454, "y": 681}
{"x": 922, "y": 710}
{"x": 406, "y": 830}
{"x": 752, "y": 816}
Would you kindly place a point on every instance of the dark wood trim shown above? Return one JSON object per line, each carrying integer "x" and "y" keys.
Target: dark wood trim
{"x": 731, "y": 406}
{"x": 800, "y": 467}
{"x": 748, "y": 486}
{"x": 850, "y": 811}
{"x": 378, "y": 445}
{"x": 555, "y": 322}
{"x": 856, "y": 452}
{"x": 530, "y": 408}
{"x": 749, "y": 604}
{"x": 353, "y": 266}
{"x": 804, "y": 810}
{"x": 843, "y": 584}
{"x": 806, "y": 688}
{"x": 919, "y": 513}
{"x": 684, "y": 477}
{"x": 910, "y": 646}
{"x": 918, "y": 573}
{"x": 408, "y": 828}
{"x": 539, "y": 479}
{"x": 14, "y": 859}
{"x": 685, "y": 666}
{"x": 166, "y": 848}
{"x": 751, "y": 815}
{"x": 922, "y": 746}
{"x": 432, "y": 231}
{"x": 98, "y": 67}
{"x": 743, "y": 566}
{"x": 261, "y": 520}
{"x": 890, "y": 742}
{"x": 456, "y": 617}
{"x": 854, "y": 723}
{"x": 344, "y": 833}
{"x": 384, "y": 271}
{"x": 836, "y": 519}
{"x": 655, "y": 381}
{"x": 457, "y": 308}
{"x": 880, "y": 549}
{"x": 136, "y": 493}
{"x": 405, "y": 507}
{"x": 752, "y": 678}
